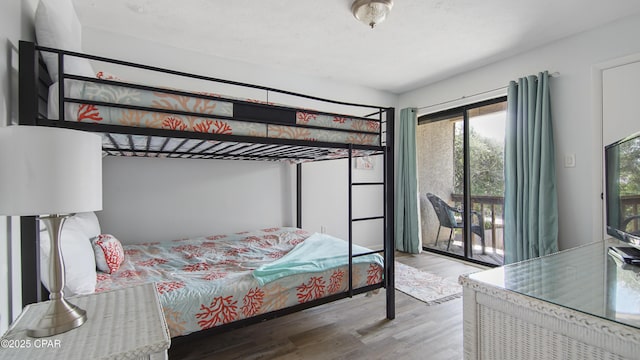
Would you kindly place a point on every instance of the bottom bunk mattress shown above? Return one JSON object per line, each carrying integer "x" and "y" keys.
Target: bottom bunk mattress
{"x": 209, "y": 281}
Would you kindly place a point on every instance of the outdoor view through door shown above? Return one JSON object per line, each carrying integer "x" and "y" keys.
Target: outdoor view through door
{"x": 461, "y": 181}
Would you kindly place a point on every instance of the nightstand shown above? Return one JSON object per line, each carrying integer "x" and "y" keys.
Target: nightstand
{"x": 122, "y": 324}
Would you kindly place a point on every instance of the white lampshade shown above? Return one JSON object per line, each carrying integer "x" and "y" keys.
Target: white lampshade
{"x": 45, "y": 170}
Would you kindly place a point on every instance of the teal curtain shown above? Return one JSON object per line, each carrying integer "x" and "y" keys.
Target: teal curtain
{"x": 407, "y": 221}
{"x": 530, "y": 205}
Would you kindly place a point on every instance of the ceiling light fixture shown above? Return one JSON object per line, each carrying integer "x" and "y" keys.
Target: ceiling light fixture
{"x": 371, "y": 12}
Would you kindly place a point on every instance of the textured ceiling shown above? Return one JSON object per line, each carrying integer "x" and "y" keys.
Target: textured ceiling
{"x": 422, "y": 41}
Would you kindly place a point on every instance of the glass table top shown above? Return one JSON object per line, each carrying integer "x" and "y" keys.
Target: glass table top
{"x": 584, "y": 278}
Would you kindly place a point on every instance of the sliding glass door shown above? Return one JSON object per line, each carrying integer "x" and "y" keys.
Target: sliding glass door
{"x": 461, "y": 181}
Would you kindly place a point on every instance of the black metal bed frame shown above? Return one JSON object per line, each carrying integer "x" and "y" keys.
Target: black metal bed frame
{"x": 33, "y": 96}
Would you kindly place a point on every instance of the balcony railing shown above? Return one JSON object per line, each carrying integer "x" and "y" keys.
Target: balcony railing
{"x": 630, "y": 205}
{"x": 492, "y": 210}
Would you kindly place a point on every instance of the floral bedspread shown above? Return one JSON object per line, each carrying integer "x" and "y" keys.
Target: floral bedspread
{"x": 207, "y": 281}
{"x": 216, "y": 105}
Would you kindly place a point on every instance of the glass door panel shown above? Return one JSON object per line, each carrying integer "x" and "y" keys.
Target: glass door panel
{"x": 460, "y": 164}
{"x": 438, "y": 182}
{"x": 486, "y": 179}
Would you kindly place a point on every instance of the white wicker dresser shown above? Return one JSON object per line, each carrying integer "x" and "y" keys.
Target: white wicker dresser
{"x": 576, "y": 304}
{"x": 122, "y": 324}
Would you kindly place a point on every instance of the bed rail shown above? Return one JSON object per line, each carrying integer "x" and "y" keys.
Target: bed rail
{"x": 282, "y": 125}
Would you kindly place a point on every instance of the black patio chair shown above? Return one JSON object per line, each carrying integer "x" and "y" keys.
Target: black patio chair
{"x": 447, "y": 217}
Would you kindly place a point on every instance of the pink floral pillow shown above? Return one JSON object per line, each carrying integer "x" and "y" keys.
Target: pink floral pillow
{"x": 109, "y": 253}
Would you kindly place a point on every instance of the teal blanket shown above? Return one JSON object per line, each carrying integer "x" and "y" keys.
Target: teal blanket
{"x": 317, "y": 253}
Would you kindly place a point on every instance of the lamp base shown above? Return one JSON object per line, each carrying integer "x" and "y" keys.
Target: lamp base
{"x": 61, "y": 316}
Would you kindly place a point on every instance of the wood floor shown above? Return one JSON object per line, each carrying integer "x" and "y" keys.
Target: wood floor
{"x": 350, "y": 329}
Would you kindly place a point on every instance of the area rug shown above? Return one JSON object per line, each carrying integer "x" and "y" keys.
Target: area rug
{"x": 426, "y": 287}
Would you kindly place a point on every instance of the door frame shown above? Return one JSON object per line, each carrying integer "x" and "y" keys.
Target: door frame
{"x": 597, "y": 110}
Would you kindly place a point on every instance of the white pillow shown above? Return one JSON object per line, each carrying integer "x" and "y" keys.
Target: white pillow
{"x": 73, "y": 89}
{"x": 58, "y": 27}
{"x": 77, "y": 254}
{"x": 87, "y": 222}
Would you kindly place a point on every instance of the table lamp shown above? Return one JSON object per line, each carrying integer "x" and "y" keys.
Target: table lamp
{"x": 51, "y": 173}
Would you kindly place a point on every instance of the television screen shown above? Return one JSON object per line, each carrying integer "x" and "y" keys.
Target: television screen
{"x": 622, "y": 175}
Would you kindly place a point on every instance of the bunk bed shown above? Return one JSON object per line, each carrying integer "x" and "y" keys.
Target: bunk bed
{"x": 239, "y": 129}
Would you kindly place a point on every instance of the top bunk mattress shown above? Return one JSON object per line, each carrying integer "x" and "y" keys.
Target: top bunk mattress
{"x": 127, "y": 104}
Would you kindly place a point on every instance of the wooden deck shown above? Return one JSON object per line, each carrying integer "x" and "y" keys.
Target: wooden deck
{"x": 351, "y": 328}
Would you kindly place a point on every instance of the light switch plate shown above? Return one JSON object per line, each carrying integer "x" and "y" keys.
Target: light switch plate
{"x": 570, "y": 160}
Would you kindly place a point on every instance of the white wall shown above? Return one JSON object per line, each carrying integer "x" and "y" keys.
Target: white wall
{"x": 138, "y": 200}
{"x": 620, "y": 94}
{"x": 577, "y": 128}
{"x": 325, "y": 200}
{"x": 16, "y": 23}
{"x": 147, "y": 199}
